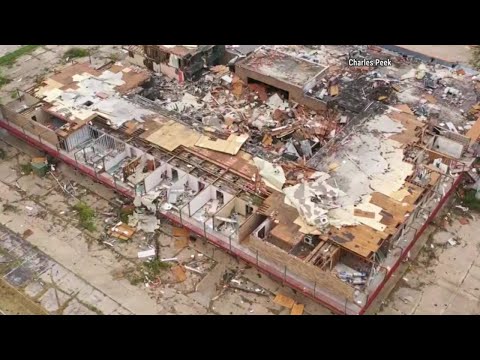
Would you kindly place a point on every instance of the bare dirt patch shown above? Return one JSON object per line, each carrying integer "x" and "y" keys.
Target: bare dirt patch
{"x": 13, "y": 302}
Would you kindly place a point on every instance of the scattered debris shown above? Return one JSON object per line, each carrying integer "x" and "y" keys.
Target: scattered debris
{"x": 193, "y": 270}
{"x": 27, "y": 233}
{"x": 122, "y": 231}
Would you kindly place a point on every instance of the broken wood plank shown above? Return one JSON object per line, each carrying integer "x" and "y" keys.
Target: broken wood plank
{"x": 334, "y": 90}
{"x": 267, "y": 140}
{"x": 297, "y": 309}
{"x": 179, "y": 273}
{"x": 362, "y": 213}
{"x": 284, "y": 301}
{"x": 404, "y": 108}
{"x": 396, "y": 208}
{"x": 430, "y": 98}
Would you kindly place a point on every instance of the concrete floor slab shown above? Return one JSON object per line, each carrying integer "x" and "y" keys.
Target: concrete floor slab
{"x": 406, "y": 300}
{"x": 55, "y": 200}
{"x": 100, "y": 301}
{"x": 75, "y": 308}
{"x": 34, "y": 289}
{"x": 389, "y": 311}
{"x": 34, "y": 185}
{"x": 471, "y": 283}
{"x": 258, "y": 309}
{"x": 435, "y": 299}
{"x": 53, "y": 300}
{"x": 54, "y": 274}
{"x": 8, "y": 150}
{"x": 71, "y": 284}
{"x": 226, "y": 306}
{"x": 463, "y": 304}
{"x": 200, "y": 298}
{"x": 8, "y": 174}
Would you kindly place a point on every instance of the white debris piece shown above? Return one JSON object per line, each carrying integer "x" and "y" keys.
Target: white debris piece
{"x": 452, "y": 242}
{"x": 409, "y": 75}
{"x": 452, "y": 127}
{"x": 146, "y": 254}
{"x": 191, "y": 100}
{"x": 273, "y": 175}
{"x": 227, "y": 78}
{"x": 276, "y": 102}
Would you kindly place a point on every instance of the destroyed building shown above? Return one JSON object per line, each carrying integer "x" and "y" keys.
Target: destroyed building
{"x": 234, "y": 53}
{"x": 291, "y": 74}
{"x": 327, "y": 199}
{"x": 180, "y": 62}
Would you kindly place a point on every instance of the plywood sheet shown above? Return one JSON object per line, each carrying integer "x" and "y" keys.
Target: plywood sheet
{"x": 404, "y": 108}
{"x": 400, "y": 194}
{"x": 415, "y": 192}
{"x": 392, "y": 206}
{"x": 297, "y": 309}
{"x": 407, "y": 120}
{"x": 172, "y": 135}
{"x": 284, "y": 301}
{"x": 285, "y": 215}
{"x": 474, "y": 132}
{"x": 360, "y": 239}
{"x": 230, "y": 146}
{"x": 349, "y": 243}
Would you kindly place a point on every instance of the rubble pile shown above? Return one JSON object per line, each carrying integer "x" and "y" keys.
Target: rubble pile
{"x": 283, "y": 135}
{"x": 221, "y": 104}
{"x": 319, "y": 54}
{"x": 443, "y": 97}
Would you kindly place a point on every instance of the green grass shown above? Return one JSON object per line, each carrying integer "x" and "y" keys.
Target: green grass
{"x": 93, "y": 308}
{"x": 155, "y": 267}
{"x": 149, "y": 270}
{"x": 14, "y": 94}
{"x": 26, "y": 169}
{"x": 470, "y": 201}
{"x": 10, "y": 58}
{"x": 3, "y": 155}
{"x": 125, "y": 212}
{"x": 114, "y": 57}
{"x": 75, "y": 53}
{"x": 86, "y": 215}
{"x": 9, "y": 208}
{"x": 3, "y": 80}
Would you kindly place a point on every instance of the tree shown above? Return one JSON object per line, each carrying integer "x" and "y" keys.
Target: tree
{"x": 475, "y": 61}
